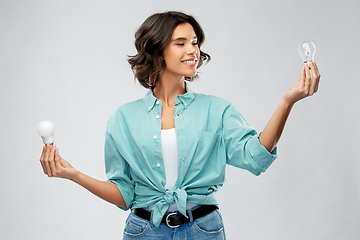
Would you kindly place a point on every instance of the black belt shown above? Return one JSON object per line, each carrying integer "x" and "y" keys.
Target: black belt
{"x": 175, "y": 219}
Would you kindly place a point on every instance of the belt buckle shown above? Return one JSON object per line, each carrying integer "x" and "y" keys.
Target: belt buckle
{"x": 168, "y": 221}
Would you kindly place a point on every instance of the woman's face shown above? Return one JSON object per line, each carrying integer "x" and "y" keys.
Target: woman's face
{"x": 182, "y": 53}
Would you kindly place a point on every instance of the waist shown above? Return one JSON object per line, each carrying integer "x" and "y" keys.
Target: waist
{"x": 175, "y": 219}
{"x": 173, "y": 207}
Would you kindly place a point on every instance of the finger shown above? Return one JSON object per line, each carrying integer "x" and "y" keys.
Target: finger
{"x": 314, "y": 79}
{"x": 317, "y": 76}
{"x": 42, "y": 153}
{"x": 303, "y": 73}
{"x": 51, "y": 160}
{"x": 57, "y": 160}
{"x": 314, "y": 70}
{"x": 307, "y": 79}
{"x": 42, "y": 159}
{"x": 46, "y": 160}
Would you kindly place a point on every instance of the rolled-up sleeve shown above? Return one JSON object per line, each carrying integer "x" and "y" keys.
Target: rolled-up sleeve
{"x": 118, "y": 170}
{"x": 243, "y": 148}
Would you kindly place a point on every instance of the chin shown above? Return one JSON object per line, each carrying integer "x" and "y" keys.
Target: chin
{"x": 191, "y": 74}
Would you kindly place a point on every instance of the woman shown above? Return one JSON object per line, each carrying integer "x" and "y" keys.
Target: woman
{"x": 166, "y": 153}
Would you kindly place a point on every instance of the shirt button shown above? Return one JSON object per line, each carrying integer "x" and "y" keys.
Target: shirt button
{"x": 185, "y": 104}
{"x": 178, "y": 97}
{"x": 157, "y": 102}
{"x": 182, "y": 160}
{"x": 177, "y": 114}
{"x": 158, "y": 165}
{"x": 180, "y": 134}
{"x": 155, "y": 137}
{"x": 157, "y": 117}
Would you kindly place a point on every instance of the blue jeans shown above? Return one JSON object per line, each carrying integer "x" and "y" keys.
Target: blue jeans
{"x": 207, "y": 227}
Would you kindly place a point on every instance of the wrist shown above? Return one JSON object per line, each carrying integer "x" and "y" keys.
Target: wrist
{"x": 75, "y": 176}
{"x": 287, "y": 103}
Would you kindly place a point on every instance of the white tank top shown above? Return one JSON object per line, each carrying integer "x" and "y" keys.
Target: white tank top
{"x": 169, "y": 151}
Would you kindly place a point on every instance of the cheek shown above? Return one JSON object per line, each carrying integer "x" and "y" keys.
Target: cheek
{"x": 170, "y": 61}
{"x": 174, "y": 59}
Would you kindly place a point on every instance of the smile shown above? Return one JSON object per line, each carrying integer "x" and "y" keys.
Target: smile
{"x": 191, "y": 62}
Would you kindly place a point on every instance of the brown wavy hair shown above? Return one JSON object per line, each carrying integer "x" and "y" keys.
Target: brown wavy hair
{"x": 150, "y": 41}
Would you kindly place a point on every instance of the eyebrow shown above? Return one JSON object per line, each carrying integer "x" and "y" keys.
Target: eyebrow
{"x": 183, "y": 39}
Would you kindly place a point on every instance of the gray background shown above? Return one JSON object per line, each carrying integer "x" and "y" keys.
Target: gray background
{"x": 66, "y": 61}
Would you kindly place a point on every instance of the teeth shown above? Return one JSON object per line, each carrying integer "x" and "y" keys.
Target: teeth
{"x": 190, "y": 62}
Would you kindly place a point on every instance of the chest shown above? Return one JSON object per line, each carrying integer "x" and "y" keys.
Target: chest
{"x": 167, "y": 117}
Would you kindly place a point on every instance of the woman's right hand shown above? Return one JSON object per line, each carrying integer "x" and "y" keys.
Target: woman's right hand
{"x": 55, "y": 166}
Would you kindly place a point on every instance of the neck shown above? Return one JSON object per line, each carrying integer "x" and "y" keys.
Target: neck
{"x": 167, "y": 88}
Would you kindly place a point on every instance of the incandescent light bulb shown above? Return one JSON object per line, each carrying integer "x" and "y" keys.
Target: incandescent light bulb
{"x": 46, "y": 130}
{"x": 307, "y": 51}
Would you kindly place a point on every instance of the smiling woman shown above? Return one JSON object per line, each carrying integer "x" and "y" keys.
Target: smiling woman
{"x": 182, "y": 53}
{"x": 165, "y": 154}
{"x": 156, "y": 34}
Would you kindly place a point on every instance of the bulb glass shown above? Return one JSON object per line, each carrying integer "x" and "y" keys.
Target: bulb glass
{"x": 46, "y": 130}
{"x": 307, "y": 51}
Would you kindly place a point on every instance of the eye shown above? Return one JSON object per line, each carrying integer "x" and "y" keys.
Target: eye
{"x": 180, "y": 44}
{"x": 194, "y": 43}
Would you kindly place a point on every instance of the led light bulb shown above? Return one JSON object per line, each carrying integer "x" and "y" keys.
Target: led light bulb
{"x": 307, "y": 51}
{"x": 46, "y": 130}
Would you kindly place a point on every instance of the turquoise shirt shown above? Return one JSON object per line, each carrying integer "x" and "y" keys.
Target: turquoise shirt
{"x": 210, "y": 134}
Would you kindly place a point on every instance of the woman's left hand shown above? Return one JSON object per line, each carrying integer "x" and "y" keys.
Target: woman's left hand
{"x": 307, "y": 84}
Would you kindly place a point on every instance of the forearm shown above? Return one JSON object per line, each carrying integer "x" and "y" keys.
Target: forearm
{"x": 306, "y": 86}
{"x": 273, "y": 130}
{"x": 107, "y": 191}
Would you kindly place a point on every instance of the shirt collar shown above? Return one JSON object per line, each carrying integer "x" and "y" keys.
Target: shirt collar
{"x": 187, "y": 98}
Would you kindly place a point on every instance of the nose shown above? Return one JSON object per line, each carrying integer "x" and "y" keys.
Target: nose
{"x": 192, "y": 50}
